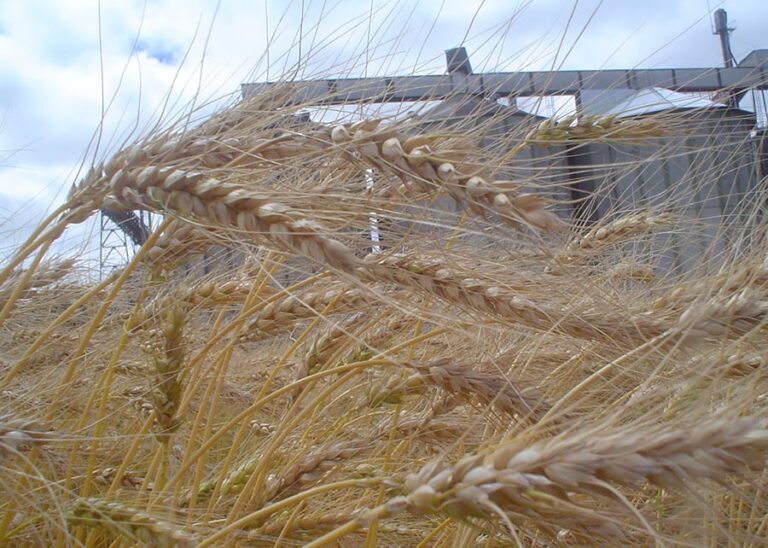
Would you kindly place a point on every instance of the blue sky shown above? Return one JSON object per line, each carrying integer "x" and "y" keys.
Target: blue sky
{"x": 54, "y": 66}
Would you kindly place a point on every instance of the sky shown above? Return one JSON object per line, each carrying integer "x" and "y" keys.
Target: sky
{"x": 78, "y": 78}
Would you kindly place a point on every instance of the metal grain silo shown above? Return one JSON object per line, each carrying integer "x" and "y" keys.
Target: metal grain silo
{"x": 705, "y": 170}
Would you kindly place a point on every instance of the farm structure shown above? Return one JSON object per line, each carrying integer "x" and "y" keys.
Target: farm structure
{"x": 593, "y": 181}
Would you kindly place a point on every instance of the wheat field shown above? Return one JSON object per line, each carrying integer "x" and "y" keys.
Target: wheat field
{"x": 489, "y": 371}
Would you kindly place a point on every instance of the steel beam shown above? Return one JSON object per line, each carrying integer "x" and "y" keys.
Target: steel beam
{"x": 515, "y": 84}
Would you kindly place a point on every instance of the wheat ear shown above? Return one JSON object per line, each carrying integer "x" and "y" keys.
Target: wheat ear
{"x": 122, "y": 520}
{"x": 600, "y": 237}
{"x": 533, "y": 484}
{"x": 486, "y": 296}
{"x": 169, "y": 373}
{"x": 294, "y": 308}
{"x": 316, "y": 461}
{"x": 594, "y": 128}
{"x": 180, "y": 242}
{"x": 414, "y": 158}
{"x": 492, "y": 390}
{"x": 18, "y": 435}
{"x": 193, "y": 195}
{"x": 721, "y": 316}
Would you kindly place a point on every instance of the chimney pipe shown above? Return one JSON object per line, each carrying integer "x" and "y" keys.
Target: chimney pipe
{"x": 457, "y": 61}
{"x": 722, "y": 30}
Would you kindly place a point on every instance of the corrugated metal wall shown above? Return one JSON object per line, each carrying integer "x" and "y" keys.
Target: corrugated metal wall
{"x": 707, "y": 172}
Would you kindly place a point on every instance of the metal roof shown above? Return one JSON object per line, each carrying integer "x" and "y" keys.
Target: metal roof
{"x": 462, "y": 107}
{"x": 757, "y": 58}
{"x": 629, "y": 102}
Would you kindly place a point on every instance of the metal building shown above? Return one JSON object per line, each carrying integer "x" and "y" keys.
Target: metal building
{"x": 710, "y": 168}
{"x": 707, "y": 170}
